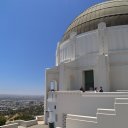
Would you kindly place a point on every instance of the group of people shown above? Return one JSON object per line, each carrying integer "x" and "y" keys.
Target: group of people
{"x": 95, "y": 89}
{"x": 100, "y": 90}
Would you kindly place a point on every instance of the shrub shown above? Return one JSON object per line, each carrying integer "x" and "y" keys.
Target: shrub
{"x": 25, "y": 117}
{"x": 2, "y": 120}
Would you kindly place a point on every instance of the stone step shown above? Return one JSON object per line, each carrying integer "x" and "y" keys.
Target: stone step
{"x": 80, "y": 117}
{"x": 121, "y": 100}
{"x": 87, "y": 121}
{"x": 121, "y": 108}
{"x": 75, "y": 123}
{"x": 102, "y": 117}
{"x": 106, "y": 120}
{"x": 105, "y": 114}
{"x": 105, "y": 111}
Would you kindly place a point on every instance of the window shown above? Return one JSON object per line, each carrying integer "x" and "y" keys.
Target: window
{"x": 53, "y": 85}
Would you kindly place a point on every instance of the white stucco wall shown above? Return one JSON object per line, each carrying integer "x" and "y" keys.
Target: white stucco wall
{"x": 85, "y": 104}
{"x": 87, "y": 43}
{"x": 116, "y": 39}
{"x": 105, "y": 51}
{"x": 82, "y": 53}
{"x": 105, "y": 118}
{"x": 50, "y": 75}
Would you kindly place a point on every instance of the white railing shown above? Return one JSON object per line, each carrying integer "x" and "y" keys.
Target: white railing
{"x": 93, "y": 94}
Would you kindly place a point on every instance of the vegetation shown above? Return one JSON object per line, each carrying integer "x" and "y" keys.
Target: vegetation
{"x": 21, "y": 114}
{"x": 2, "y": 120}
{"x": 33, "y": 110}
{"x": 25, "y": 117}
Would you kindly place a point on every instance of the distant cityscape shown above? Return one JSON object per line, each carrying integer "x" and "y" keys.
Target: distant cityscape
{"x": 18, "y": 102}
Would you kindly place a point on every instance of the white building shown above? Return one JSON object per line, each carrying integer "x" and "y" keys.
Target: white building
{"x": 92, "y": 53}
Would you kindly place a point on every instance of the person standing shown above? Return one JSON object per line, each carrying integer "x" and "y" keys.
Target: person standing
{"x": 81, "y": 89}
{"x": 101, "y": 89}
{"x": 95, "y": 89}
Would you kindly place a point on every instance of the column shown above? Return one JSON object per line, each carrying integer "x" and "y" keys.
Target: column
{"x": 103, "y": 58}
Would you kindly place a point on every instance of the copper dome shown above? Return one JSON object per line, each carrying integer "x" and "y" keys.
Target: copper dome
{"x": 113, "y": 13}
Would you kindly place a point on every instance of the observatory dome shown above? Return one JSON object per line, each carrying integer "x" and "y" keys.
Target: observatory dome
{"x": 113, "y": 13}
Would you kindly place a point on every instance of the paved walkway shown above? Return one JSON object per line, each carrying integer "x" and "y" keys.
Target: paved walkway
{"x": 36, "y": 126}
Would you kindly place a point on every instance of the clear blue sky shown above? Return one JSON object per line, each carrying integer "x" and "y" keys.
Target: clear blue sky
{"x": 29, "y": 32}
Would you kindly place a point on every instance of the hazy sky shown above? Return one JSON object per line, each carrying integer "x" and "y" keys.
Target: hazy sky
{"x": 29, "y": 32}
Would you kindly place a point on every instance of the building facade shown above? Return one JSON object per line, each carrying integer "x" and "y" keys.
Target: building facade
{"x": 92, "y": 53}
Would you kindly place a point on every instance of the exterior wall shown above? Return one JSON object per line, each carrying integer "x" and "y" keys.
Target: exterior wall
{"x": 67, "y": 51}
{"x": 88, "y": 52}
{"x": 50, "y": 75}
{"x": 105, "y": 118}
{"x": 105, "y": 51}
{"x": 116, "y": 38}
{"x": 75, "y": 123}
{"x": 78, "y": 46}
{"x": 119, "y": 79}
{"x": 51, "y": 106}
{"x": 72, "y": 78}
{"x": 119, "y": 70}
{"x": 85, "y": 104}
{"x": 87, "y": 43}
{"x": 68, "y": 78}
